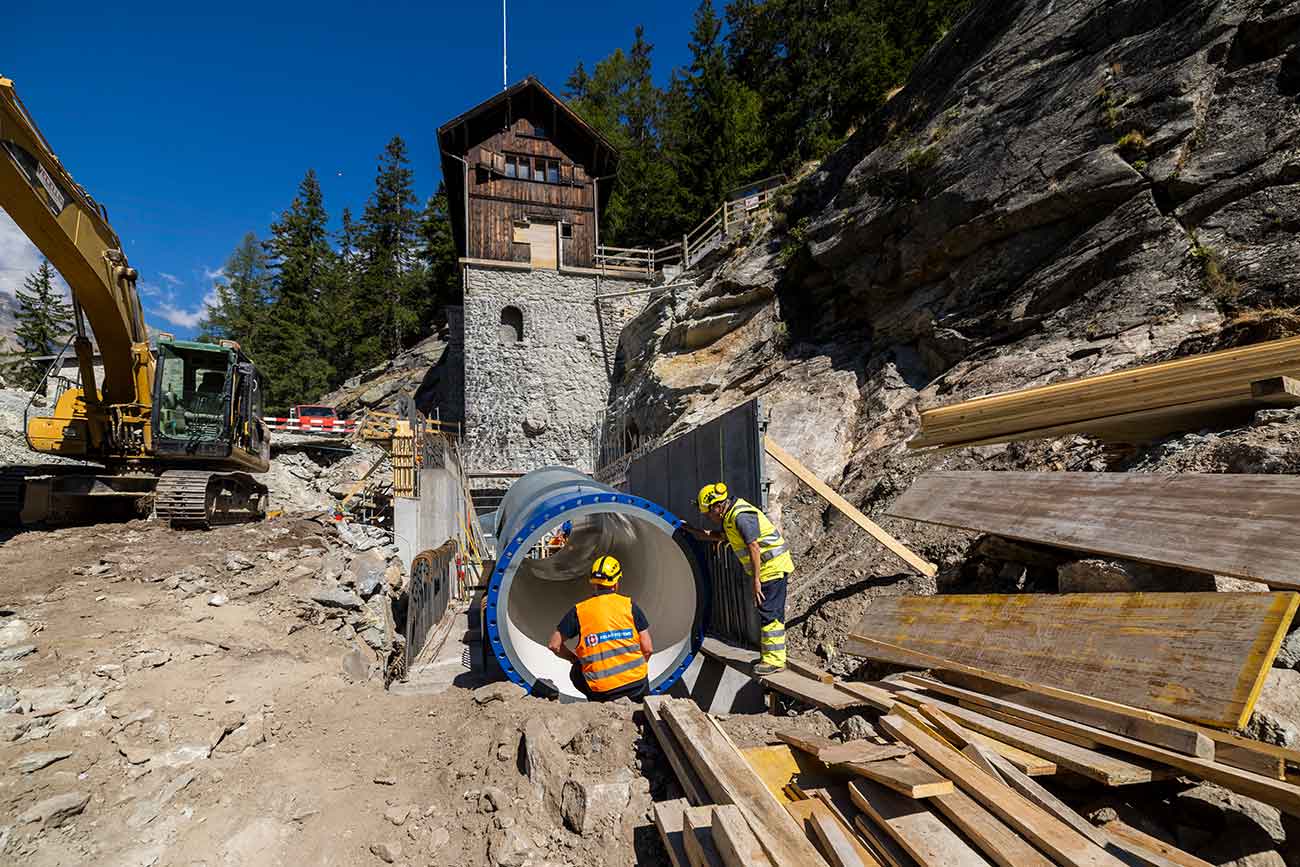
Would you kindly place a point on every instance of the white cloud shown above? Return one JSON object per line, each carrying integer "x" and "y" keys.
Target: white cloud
{"x": 171, "y": 279}
{"x": 214, "y": 275}
{"x": 183, "y": 318}
{"x": 149, "y": 290}
{"x": 19, "y": 258}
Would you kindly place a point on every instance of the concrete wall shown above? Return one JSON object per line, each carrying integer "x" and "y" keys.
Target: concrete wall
{"x": 533, "y": 403}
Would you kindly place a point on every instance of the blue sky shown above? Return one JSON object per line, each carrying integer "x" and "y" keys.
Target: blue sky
{"x": 194, "y": 128}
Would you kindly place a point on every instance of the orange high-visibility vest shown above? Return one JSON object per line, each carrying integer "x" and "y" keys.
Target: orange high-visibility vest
{"x": 609, "y": 647}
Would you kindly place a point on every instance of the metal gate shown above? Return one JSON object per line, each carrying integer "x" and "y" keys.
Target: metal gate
{"x": 728, "y": 448}
{"x": 428, "y": 596}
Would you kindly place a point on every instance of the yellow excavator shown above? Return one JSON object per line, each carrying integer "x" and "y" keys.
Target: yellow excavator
{"x": 181, "y": 433}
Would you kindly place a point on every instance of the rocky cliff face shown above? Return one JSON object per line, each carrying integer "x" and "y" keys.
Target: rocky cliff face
{"x": 1062, "y": 189}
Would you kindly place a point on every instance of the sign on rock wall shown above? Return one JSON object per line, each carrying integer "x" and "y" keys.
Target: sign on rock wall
{"x": 727, "y": 449}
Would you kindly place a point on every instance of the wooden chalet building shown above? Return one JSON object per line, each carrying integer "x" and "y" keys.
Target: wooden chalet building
{"x": 526, "y": 180}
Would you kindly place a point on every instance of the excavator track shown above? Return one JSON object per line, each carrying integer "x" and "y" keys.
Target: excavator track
{"x": 200, "y": 498}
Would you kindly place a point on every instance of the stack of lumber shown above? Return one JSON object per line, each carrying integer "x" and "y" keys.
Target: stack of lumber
{"x": 1222, "y": 524}
{"x": 1134, "y": 405}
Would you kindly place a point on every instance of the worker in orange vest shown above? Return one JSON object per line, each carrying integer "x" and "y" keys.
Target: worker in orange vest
{"x": 613, "y": 639}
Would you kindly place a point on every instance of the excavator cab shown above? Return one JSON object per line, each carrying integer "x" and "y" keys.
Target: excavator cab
{"x": 208, "y": 405}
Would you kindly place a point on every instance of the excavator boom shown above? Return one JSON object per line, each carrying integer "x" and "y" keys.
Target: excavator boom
{"x": 186, "y": 440}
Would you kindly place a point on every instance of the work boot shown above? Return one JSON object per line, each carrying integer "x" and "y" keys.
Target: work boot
{"x": 763, "y": 669}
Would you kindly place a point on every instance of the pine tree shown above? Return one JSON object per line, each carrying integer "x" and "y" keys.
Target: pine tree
{"x": 387, "y": 243}
{"x": 242, "y": 292}
{"x": 438, "y": 255}
{"x": 44, "y": 321}
{"x": 339, "y": 303}
{"x": 289, "y": 351}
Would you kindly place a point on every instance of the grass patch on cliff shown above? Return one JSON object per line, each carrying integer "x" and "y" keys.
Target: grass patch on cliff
{"x": 1223, "y": 287}
{"x": 921, "y": 159}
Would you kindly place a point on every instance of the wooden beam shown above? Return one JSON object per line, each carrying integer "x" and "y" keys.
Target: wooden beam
{"x": 1002, "y": 845}
{"x": 1111, "y": 770}
{"x": 734, "y": 840}
{"x": 839, "y": 844}
{"x": 977, "y": 754}
{"x": 808, "y": 670}
{"x": 1171, "y": 855}
{"x": 1201, "y": 657}
{"x": 686, "y": 776}
{"x": 1217, "y": 523}
{"x": 1062, "y": 842}
{"x": 729, "y": 780}
{"x": 911, "y": 824}
{"x": 811, "y": 692}
{"x": 1045, "y": 800}
{"x": 877, "y": 843}
{"x": 880, "y": 699}
{"x": 1183, "y": 737}
{"x": 910, "y": 778}
{"x": 898, "y": 549}
{"x": 832, "y": 753}
{"x": 697, "y": 831}
{"x": 670, "y": 819}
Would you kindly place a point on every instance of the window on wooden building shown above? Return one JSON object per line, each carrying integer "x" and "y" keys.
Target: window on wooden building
{"x": 512, "y": 325}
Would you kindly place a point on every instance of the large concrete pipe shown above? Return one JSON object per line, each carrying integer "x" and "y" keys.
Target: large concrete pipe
{"x": 528, "y": 596}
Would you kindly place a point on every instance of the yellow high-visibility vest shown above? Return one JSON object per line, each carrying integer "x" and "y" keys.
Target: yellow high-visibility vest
{"x": 774, "y": 559}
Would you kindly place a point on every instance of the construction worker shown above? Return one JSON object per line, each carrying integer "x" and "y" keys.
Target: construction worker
{"x": 561, "y": 538}
{"x": 613, "y": 639}
{"x": 765, "y": 558}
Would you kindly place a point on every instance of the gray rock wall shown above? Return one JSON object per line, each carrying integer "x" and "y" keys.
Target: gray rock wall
{"x": 534, "y": 402}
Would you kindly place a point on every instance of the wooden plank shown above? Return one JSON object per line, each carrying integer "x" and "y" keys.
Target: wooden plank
{"x": 898, "y": 549}
{"x": 1111, "y": 770}
{"x": 1045, "y": 800}
{"x": 1057, "y": 839}
{"x": 811, "y": 692}
{"x": 910, "y": 778}
{"x": 976, "y": 753}
{"x": 945, "y": 725}
{"x": 1277, "y": 386}
{"x": 730, "y": 780}
{"x": 734, "y": 840}
{"x": 697, "y": 831}
{"x": 1068, "y": 736}
{"x": 878, "y": 844}
{"x": 1198, "y": 656}
{"x": 1204, "y": 377}
{"x": 1120, "y": 831}
{"x": 1034, "y": 766}
{"x": 911, "y": 824}
{"x": 669, "y": 819}
{"x": 895, "y": 855}
{"x": 1222, "y": 524}
{"x": 808, "y": 670}
{"x": 1002, "y": 845}
{"x": 737, "y": 657}
{"x": 1249, "y": 758}
{"x": 1172, "y": 734}
{"x": 831, "y": 753}
{"x": 880, "y": 699}
{"x": 839, "y": 844}
{"x": 686, "y": 776}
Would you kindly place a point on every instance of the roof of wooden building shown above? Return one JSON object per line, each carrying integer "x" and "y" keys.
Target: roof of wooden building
{"x": 585, "y": 145}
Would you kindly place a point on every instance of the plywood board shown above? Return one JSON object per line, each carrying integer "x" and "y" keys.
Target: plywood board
{"x": 1201, "y": 657}
{"x": 1223, "y": 524}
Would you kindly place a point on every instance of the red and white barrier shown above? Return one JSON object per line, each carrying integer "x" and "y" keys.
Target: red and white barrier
{"x": 312, "y": 425}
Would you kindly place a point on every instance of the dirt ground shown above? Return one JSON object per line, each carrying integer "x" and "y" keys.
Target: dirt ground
{"x": 201, "y": 734}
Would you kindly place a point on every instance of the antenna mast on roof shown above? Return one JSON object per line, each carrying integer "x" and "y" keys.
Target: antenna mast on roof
{"x": 505, "y": 77}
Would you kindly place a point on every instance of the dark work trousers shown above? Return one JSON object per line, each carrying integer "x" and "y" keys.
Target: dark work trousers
{"x": 771, "y": 620}
{"x": 634, "y": 691}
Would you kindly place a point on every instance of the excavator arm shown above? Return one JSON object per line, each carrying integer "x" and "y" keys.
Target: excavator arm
{"x": 71, "y": 229}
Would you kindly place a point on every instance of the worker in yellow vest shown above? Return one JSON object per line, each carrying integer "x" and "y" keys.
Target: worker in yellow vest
{"x": 613, "y": 639}
{"x": 765, "y": 558}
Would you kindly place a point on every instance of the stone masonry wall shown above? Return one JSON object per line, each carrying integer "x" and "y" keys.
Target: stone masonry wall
{"x": 534, "y": 402}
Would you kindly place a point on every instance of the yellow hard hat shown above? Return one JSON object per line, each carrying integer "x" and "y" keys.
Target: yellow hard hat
{"x": 606, "y": 571}
{"x": 710, "y": 494}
